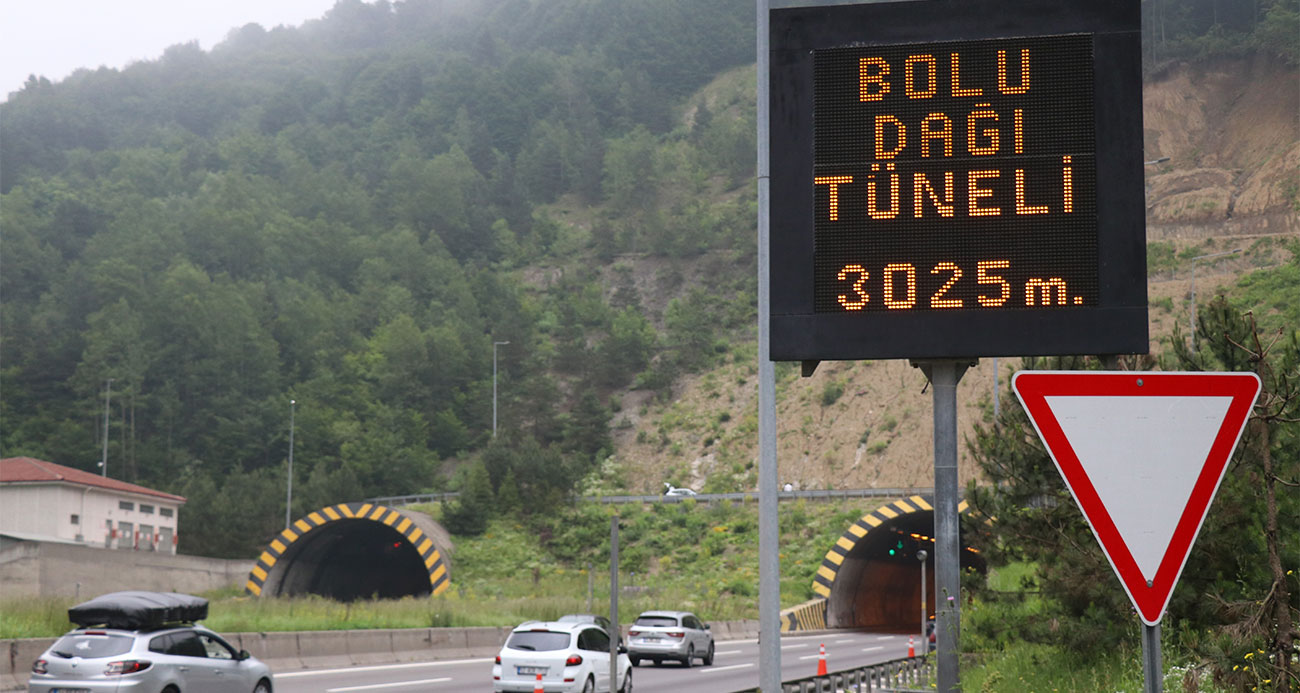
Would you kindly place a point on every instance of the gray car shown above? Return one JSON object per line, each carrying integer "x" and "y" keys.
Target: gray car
{"x": 147, "y": 642}
{"x": 669, "y": 635}
{"x": 187, "y": 658}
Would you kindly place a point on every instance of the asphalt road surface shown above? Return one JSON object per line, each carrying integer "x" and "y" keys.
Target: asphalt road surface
{"x": 735, "y": 668}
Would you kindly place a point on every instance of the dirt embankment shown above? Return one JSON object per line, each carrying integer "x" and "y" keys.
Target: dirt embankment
{"x": 1231, "y": 130}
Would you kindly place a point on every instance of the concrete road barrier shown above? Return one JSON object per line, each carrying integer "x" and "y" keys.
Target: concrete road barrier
{"x": 324, "y": 649}
{"x": 370, "y": 646}
{"x": 447, "y": 643}
{"x": 279, "y": 650}
{"x": 417, "y": 644}
{"x": 17, "y": 665}
{"x": 485, "y": 642}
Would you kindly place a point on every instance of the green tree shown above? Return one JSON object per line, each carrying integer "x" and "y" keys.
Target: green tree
{"x": 469, "y": 514}
{"x": 1038, "y": 522}
{"x": 630, "y": 179}
{"x": 1257, "y": 511}
{"x": 627, "y": 349}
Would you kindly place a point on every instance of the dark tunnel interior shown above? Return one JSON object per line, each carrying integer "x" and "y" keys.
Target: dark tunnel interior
{"x": 347, "y": 560}
{"x": 878, "y": 586}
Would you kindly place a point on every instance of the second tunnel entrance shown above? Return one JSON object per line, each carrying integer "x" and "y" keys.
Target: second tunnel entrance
{"x": 871, "y": 578}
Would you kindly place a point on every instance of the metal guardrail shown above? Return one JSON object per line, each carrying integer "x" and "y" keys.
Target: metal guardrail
{"x": 895, "y": 676}
{"x": 398, "y": 501}
{"x": 821, "y": 495}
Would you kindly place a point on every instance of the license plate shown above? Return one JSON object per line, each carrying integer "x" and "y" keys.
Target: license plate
{"x": 69, "y": 690}
{"x": 530, "y": 670}
{"x": 650, "y": 639}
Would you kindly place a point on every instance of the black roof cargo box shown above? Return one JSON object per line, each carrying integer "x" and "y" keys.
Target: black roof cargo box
{"x": 136, "y": 610}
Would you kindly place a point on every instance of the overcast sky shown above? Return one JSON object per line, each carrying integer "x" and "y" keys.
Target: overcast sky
{"x": 53, "y": 38}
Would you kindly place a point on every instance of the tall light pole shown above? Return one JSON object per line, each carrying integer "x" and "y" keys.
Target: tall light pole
{"x": 925, "y": 641}
{"x": 288, "y": 501}
{"x": 1191, "y": 324}
{"x": 103, "y": 458}
{"x": 494, "y": 385}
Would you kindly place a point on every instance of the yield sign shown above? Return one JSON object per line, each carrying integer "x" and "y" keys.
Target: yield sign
{"x": 1143, "y": 454}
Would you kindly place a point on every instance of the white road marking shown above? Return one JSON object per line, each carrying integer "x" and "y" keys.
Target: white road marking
{"x": 395, "y": 684}
{"x": 710, "y": 670}
{"x": 726, "y": 652}
{"x": 841, "y": 642}
{"x": 873, "y": 649}
{"x": 379, "y": 667}
{"x": 794, "y": 647}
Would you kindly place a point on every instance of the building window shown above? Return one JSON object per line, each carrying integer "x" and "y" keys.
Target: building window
{"x": 146, "y": 509}
{"x": 166, "y": 512}
{"x": 76, "y": 519}
{"x": 125, "y": 505}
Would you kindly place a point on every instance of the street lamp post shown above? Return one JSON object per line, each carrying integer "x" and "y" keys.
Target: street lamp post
{"x": 494, "y": 385}
{"x": 288, "y": 501}
{"x": 1191, "y": 325}
{"x": 921, "y": 556}
{"x": 103, "y": 459}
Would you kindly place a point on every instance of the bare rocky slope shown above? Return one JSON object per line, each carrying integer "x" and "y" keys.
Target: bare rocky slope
{"x": 1231, "y": 132}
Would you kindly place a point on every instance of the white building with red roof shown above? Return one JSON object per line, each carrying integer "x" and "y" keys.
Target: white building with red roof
{"x": 43, "y": 501}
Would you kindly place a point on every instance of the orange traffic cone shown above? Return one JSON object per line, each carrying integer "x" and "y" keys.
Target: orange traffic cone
{"x": 538, "y": 688}
{"x": 911, "y": 646}
{"x": 821, "y": 661}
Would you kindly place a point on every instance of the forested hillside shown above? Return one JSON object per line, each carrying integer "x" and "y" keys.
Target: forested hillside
{"x": 349, "y": 214}
{"x": 338, "y": 215}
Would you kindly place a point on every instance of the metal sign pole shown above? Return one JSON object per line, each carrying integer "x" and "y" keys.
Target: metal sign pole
{"x": 944, "y": 376}
{"x": 769, "y": 561}
{"x": 1152, "y": 667}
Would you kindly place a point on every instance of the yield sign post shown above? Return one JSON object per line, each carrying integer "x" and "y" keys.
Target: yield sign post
{"x": 1143, "y": 454}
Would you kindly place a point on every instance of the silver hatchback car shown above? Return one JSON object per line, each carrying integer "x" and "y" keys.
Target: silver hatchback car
{"x": 183, "y": 658}
{"x": 662, "y": 635}
{"x": 126, "y": 648}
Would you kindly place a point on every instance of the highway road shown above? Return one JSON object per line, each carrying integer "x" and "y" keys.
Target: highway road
{"x": 735, "y": 668}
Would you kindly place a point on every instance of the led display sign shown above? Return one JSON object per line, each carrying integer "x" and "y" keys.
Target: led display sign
{"x": 957, "y": 182}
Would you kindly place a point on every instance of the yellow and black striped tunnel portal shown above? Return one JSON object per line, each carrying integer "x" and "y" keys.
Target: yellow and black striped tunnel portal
{"x": 871, "y": 577}
{"x": 354, "y": 551}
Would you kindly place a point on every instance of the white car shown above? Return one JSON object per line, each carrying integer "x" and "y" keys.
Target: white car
{"x": 570, "y": 657}
{"x": 677, "y": 491}
{"x": 661, "y": 635}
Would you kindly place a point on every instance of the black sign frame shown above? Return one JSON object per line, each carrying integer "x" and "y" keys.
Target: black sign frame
{"x": 1115, "y": 322}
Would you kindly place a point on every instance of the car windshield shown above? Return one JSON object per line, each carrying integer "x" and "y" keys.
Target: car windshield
{"x": 656, "y": 621}
{"x": 91, "y": 645}
{"x": 538, "y": 640}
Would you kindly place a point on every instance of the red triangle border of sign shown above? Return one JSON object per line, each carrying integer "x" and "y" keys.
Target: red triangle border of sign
{"x": 1033, "y": 387}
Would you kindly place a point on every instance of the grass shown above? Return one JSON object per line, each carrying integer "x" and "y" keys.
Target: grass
{"x": 995, "y": 659}
{"x": 685, "y": 555}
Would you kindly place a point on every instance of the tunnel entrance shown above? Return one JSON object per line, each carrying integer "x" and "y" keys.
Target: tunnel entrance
{"x": 354, "y": 551}
{"x": 871, "y": 578}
